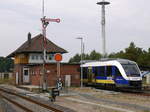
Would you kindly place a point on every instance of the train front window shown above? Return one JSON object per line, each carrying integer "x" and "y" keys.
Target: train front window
{"x": 131, "y": 70}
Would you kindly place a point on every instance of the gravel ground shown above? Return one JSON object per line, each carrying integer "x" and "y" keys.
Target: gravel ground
{"x": 1, "y": 105}
{"x": 6, "y": 107}
{"x": 93, "y": 100}
{"x": 32, "y": 106}
{"x": 43, "y": 98}
{"x": 82, "y": 107}
{"x": 105, "y": 101}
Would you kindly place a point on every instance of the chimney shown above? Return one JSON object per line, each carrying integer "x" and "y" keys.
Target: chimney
{"x": 29, "y": 38}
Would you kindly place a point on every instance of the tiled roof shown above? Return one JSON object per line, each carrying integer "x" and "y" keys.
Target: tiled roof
{"x": 35, "y": 46}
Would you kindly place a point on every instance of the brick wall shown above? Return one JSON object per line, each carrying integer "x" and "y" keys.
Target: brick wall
{"x": 66, "y": 69}
{"x": 18, "y": 68}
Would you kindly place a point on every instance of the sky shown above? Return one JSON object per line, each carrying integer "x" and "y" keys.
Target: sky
{"x": 126, "y": 21}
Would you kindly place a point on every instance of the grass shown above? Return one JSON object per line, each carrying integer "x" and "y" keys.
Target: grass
{"x": 7, "y": 81}
{"x": 146, "y": 111}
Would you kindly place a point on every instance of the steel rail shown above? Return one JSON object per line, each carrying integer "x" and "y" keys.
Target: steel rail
{"x": 17, "y": 104}
{"x": 139, "y": 94}
{"x": 33, "y": 101}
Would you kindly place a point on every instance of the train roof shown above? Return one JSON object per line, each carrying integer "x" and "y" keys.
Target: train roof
{"x": 125, "y": 61}
{"x": 109, "y": 61}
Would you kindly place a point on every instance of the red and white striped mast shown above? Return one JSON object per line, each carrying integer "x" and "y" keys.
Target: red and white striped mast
{"x": 45, "y": 22}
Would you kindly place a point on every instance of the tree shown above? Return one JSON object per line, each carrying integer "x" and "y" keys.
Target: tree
{"x": 76, "y": 58}
{"x": 132, "y": 52}
{"x": 92, "y": 56}
{"x": 117, "y": 55}
{"x": 6, "y": 64}
{"x": 95, "y": 55}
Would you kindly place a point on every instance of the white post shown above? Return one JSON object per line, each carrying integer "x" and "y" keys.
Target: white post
{"x": 103, "y": 31}
{"x": 103, "y": 3}
{"x": 81, "y": 60}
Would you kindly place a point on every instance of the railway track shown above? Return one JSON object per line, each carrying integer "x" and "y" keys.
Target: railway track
{"x": 143, "y": 92}
{"x": 16, "y": 104}
{"x": 29, "y": 105}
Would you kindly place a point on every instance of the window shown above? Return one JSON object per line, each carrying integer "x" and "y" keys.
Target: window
{"x": 95, "y": 71}
{"x": 36, "y": 57}
{"x": 98, "y": 71}
{"x": 85, "y": 71}
{"x": 32, "y": 57}
{"x": 25, "y": 72}
{"x": 51, "y": 57}
{"x": 109, "y": 71}
{"x": 41, "y": 57}
{"x": 131, "y": 70}
{"x": 102, "y": 70}
{"x": 117, "y": 72}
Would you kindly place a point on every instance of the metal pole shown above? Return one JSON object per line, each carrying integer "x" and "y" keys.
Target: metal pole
{"x": 45, "y": 22}
{"x": 83, "y": 56}
{"x": 103, "y": 3}
{"x": 58, "y": 69}
{"x": 81, "y": 60}
{"x": 44, "y": 84}
{"x": 103, "y": 31}
{"x": 43, "y": 8}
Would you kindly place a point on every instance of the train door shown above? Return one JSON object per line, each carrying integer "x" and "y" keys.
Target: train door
{"x": 90, "y": 74}
{"x": 117, "y": 77}
{"x": 108, "y": 70}
{"x": 113, "y": 72}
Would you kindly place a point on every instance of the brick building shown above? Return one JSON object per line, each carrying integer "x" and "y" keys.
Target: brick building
{"x": 28, "y": 59}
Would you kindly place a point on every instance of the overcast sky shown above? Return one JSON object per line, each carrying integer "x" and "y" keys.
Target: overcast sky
{"x": 126, "y": 21}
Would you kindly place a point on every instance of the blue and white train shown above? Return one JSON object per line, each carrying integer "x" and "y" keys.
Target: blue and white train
{"x": 120, "y": 73}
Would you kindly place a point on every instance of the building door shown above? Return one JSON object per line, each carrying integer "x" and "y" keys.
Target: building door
{"x": 25, "y": 75}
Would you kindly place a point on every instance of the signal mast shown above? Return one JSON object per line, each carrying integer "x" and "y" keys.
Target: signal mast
{"x": 45, "y": 21}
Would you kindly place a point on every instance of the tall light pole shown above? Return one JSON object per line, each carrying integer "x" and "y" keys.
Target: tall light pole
{"x": 81, "y": 60}
{"x": 103, "y": 3}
